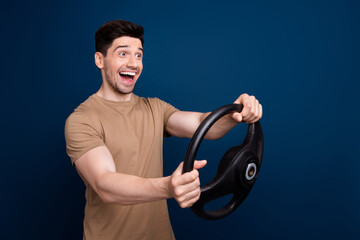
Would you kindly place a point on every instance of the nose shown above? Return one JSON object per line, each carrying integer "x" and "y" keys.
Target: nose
{"x": 132, "y": 63}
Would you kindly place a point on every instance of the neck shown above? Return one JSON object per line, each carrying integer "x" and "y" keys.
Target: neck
{"x": 112, "y": 94}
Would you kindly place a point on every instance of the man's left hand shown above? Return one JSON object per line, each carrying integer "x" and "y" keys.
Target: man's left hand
{"x": 252, "y": 111}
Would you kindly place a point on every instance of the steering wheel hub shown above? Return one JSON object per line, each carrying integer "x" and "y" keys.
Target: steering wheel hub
{"x": 250, "y": 171}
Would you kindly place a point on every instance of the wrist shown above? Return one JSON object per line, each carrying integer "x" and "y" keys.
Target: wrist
{"x": 166, "y": 187}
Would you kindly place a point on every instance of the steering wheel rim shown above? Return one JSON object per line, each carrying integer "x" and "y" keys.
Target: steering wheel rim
{"x": 237, "y": 171}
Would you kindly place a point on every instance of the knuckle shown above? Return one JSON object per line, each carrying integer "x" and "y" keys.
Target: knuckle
{"x": 190, "y": 177}
{"x": 194, "y": 178}
{"x": 178, "y": 193}
{"x": 173, "y": 183}
{"x": 183, "y": 205}
{"x": 197, "y": 198}
{"x": 198, "y": 182}
{"x": 197, "y": 191}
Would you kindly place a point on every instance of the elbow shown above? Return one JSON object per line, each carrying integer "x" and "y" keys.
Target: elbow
{"x": 106, "y": 198}
{"x": 110, "y": 198}
{"x": 103, "y": 194}
{"x": 101, "y": 190}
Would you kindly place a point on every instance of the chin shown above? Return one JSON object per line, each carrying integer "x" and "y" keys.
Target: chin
{"x": 125, "y": 91}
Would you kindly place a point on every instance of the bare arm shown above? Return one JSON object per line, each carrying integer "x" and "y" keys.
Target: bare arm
{"x": 184, "y": 124}
{"x": 98, "y": 168}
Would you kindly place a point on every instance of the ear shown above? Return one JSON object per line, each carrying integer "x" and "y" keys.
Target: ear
{"x": 99, "y": 60}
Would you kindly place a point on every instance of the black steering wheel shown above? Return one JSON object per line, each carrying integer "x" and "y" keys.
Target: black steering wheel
{"x": 237, "y": 171}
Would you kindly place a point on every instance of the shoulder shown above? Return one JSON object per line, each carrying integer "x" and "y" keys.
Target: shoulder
{"x": 90, "y": 107}
{"x": 86, "y": 114}
{"x": 146, "y": 100}
{"x": 155, "y": 102}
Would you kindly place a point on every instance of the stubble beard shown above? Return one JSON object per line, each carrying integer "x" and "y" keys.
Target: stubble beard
{"x": 116, "y": 87}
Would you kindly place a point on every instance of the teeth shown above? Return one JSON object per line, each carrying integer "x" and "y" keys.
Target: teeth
{"x": 128, "y": 73}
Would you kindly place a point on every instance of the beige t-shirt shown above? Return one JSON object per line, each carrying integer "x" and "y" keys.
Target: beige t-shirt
{"x": 133, "y": 132}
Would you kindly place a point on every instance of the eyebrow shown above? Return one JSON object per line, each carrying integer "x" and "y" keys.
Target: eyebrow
{"x": 126, "y": 46}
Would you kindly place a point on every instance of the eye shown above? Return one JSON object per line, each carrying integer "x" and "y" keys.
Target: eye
{"x": 122, "y": 54}
{"x": 138, "y": 55}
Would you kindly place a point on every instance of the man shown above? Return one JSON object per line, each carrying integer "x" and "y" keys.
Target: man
{"x": 115, "y": 138}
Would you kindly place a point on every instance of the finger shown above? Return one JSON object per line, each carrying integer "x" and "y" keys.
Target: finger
{"x": 251, "y": 116}
{"x": 191, "y": 201}
{"x": 190, "y": 186}
{"x": 186, "y": 178}
{"x": 261, "y": 111}
{"x": 255, "y": 116}
{"x": 199, "y": 164}
{"x": 179, "y": 169}
{"x": 243, "y": 98}
{"x": 182, "y": 191}
{"x": 253, "y": 108}
{"x": 252, "y": 120}
{"x": 257, "y": 108}
{"x": 246, "y": 110}
{"x": 239, "y": 99}
{"x": 253, "y": 104}
{"x": 195, "y": 193}
{"x": 258, "y": 112}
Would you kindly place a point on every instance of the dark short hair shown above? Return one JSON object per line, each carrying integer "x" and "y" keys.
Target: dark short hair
{"x": 108, "y": 32}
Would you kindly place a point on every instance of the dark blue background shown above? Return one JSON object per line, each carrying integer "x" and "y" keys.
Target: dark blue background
{"x": 300, "y": 58}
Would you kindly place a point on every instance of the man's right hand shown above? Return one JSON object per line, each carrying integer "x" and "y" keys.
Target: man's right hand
{"x": 185, "y": 188}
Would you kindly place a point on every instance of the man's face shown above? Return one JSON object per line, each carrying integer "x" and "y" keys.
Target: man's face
{"x": 123, "y": 64}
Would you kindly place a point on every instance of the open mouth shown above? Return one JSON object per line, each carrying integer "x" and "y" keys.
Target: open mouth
{"x": 127, "y": 77}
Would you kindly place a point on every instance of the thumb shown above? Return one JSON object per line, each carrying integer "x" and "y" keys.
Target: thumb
{"x": 237, "y": 116}
{"x": 178, "y": 170}
{"x": 199, "y": 164}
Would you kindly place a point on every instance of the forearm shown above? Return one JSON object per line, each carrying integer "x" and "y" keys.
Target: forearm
{"x": 184, "y": 124}
{"x": 220, "y": 128}
{"x": 126, "y": 189}
{"x": 98, "y": 168}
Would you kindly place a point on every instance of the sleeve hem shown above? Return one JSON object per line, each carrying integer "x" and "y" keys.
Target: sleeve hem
{"x": 78, "y": 155}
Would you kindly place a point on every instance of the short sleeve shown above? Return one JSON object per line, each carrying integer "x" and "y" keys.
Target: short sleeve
{"x": 81, "y": 135}
{"x": 167, "y": 110}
